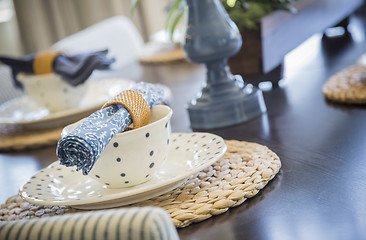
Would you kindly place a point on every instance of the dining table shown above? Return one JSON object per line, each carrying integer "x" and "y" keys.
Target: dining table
{"x": 320, "y": 190}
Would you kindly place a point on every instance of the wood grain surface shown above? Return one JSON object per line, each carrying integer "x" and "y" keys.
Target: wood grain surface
{"x": 319, "y": 192}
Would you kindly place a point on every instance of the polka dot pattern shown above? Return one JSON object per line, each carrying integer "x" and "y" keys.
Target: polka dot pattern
{"x": 207, "y": 150}
{"x": 140, "y": 146}
{"x": 60, "y": 185}
{"x": 63, "y": 96}
{"x": 47, "y": 185}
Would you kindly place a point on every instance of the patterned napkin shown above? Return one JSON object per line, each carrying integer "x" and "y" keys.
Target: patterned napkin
{"x": 128, "y": 223}
{"x": 74, "y": 69}
{"x": 83, "y": 146}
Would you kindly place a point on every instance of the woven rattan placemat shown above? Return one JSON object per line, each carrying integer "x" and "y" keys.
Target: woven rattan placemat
{"x": 161, "y": 55}
{"x": 347, "y": 86}
{"x": 14, "y": 138}
{"x": 240, "y": 174}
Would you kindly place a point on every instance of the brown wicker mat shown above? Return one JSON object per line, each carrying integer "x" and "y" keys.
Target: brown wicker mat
{"x": 347, "y": 86}
{"x": 161, "y": 54}
{"x": 15, "y": 139}
{"x": 240, "y": 174}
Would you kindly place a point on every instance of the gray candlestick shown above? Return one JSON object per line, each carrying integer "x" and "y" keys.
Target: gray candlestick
{"x": 211, "y": 38}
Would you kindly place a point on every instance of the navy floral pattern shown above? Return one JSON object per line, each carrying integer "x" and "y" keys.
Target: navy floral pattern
{"x": 83, "y": 146}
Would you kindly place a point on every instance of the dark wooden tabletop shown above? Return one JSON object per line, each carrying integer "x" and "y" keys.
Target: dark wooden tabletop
{"x": 320, "y": 191}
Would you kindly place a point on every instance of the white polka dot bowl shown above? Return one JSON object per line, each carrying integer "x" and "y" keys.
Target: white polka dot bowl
{"x": 133, "y": 157}
{"x": 51, "y": 92}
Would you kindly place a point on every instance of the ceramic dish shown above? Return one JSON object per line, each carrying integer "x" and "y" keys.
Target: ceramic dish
{"x": 362, "y": 60}
{"x": 53, "y": 92}
{"x": 132, "y": 157}
{"x": 27, "y": 113}
{"x": 188, "y": 154}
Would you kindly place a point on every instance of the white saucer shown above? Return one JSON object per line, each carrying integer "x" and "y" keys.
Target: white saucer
{"x": 26, "y": 112}
{"x": 188, "y": 154}
{"x": 362, "y": 60}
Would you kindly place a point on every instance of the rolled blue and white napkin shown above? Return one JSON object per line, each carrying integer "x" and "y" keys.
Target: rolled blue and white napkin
{"x": 83, "y": 146}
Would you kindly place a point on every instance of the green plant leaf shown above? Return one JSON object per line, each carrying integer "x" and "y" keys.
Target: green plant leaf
{"x": 245, "y": 13}
{"x": 230, "y": 3}
{"x": 176, "y": 6}
{"x": 175, "y": 23}
{"x": 134, "y": 4}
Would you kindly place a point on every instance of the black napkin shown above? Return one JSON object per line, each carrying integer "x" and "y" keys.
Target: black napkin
{"x": 74, "y": 69}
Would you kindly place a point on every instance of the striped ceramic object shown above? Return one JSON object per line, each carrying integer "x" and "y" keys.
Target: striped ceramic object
{"x": 132, "y": 223}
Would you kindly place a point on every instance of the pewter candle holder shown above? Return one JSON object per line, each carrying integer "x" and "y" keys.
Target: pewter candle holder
{"x": 211, "y": 38}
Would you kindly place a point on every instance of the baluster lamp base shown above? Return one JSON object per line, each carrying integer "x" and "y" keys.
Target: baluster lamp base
{"x": 234, "y": 110}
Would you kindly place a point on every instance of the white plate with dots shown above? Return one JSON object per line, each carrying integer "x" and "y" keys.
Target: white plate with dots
{"x": 188, "y": 154}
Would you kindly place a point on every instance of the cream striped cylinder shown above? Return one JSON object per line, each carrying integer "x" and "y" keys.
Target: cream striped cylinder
{"x": 127, "y": 223}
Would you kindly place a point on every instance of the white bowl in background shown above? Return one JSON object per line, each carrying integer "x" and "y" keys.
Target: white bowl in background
{"x": 52, "y": 92}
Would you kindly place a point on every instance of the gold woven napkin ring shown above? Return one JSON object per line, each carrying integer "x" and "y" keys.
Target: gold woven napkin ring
{"x": 135, "y": 104}
{"x": 43, "y": 62}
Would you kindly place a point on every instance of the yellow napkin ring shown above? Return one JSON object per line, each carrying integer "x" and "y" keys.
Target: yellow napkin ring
{"x": 135, "y": 104}
{"x": 43, "y": 62}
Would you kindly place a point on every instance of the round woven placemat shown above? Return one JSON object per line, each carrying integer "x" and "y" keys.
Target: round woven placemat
{"x": 162, "y": 54}
{"x": 14, "y": 138}
{"x": 347, "y": 86}
{"x": 240, "y": 174}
